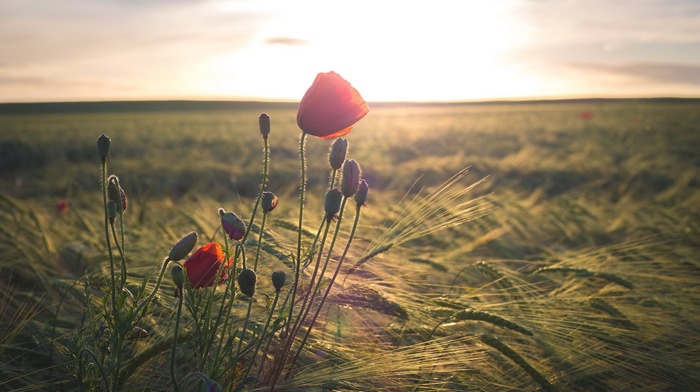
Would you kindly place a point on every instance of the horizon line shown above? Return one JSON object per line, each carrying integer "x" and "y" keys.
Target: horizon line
{"x": 171, "y": 105}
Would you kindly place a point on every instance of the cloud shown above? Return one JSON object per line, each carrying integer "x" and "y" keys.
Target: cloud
{"x": 679, "y": 74}
{"x": 287, "y": 41}
{"x": 613, "y": 21}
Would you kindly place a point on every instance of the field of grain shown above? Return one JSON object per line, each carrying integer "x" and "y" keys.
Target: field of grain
{"x": 565, "y": 257}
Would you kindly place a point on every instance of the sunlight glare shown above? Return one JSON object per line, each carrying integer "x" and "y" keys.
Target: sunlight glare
{"x": 391, "y": 51}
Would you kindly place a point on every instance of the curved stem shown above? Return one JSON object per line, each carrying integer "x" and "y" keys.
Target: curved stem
{"x": 143, "y": 306}
{"x": 109, "y": 245}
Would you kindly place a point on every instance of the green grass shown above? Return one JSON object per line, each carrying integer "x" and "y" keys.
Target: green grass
{"x": 591, "y": 239}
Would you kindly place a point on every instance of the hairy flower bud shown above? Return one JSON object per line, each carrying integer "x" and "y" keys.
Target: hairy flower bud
{"x": 246, "y": 282}
{"x": 351, "y": 178}
{"x": 361, "y": 195}
{"x": 332, "y": 204}
{"x": 111, "y": 210}
{"x": 264, "y": 121}
{"x": 183, "y": 247}
{"x": 104, "y": 145}
{"x": 232, "y": 224}
{"x": 178, "y": 275}
{"x": 268, "y": 201}
{"x": 278, "y": 279}
{"x": 336, "y": 156}
{"x": 116, "y": 192}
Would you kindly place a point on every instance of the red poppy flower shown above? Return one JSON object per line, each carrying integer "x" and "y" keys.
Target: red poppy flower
{"x": 586, "y": 115}
{"x": 61, "y": 206}
{"x": 330, "y": 107}
{"x": 203, "y": 265}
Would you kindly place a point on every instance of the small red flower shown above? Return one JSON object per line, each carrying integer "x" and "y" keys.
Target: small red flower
{"x": 586, "y": 115}
{"x": 61, "y": 206}
{"x": 330, "y": 107}
{"x": 203, "y": 265}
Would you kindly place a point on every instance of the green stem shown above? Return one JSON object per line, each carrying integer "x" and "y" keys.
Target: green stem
{"x": 279, "y": 363}
{"x": 260, "y": 237}
{"x": 263, "y": 185}
{"x": 335, "y": 275}
{"x": 302, "y": 189}
{"x": 177, "y": 327}
{"x": 121, "y": 256}
{"x": 312, "y": 284}
{"x": 143, "y": 306}
{"x": 230, "y": 287}
{"x": 123, "y": 247}
{"x": 332, "y": 183}
{"x": 97, "y": 364}
{"x": 245, "y": 326}
{"x": 109, "y": 245}
{"x": 262, "y": 336}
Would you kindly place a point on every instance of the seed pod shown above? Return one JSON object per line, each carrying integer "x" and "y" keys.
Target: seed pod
{"x": 278, "y": 279}
{"x": 264, "y": 121}
{"x": 268, "y": 201}
{"x": 183, "y": 247}
{"x": 351, "y": 178}
{"x": 104, "y": 145}
{"x": 246, "y": 282}
{"x": 336, "y": 157}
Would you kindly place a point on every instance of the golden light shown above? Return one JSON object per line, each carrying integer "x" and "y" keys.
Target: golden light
{"x": 389, "y": 50}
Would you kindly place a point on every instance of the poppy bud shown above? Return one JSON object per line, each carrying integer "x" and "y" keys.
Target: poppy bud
{"x": 246, "y": 281}
{"x": 337, "y": 155}
{"x": 61, "y": 206}
{"x": 178, "y": 275}
{"x": 104, "y": 145}
{"x": 332, "y": 204}
{"x": 116, "y": 192}
{"x": 137, "y": 333}
{"x": 278, "y": 279}
{"x": 351, "y": 178}
{"x": 264, "y": 121}
{"x": 268, "y": 201}
{"x": 111, "y": 210}
{"x": 213, "y": 386}
{"x": 183, "y": 247}
{"x": 361, "y": 195}
{"x": 232, "y": 224}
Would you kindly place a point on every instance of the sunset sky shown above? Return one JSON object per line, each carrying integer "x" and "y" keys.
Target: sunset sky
{"x": 74, "y": 50}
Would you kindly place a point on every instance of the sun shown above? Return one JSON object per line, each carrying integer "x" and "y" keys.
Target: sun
{"x": 389, "y": 50}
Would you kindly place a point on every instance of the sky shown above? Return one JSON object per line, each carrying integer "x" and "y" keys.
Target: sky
{"x": 390, "y": 50}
